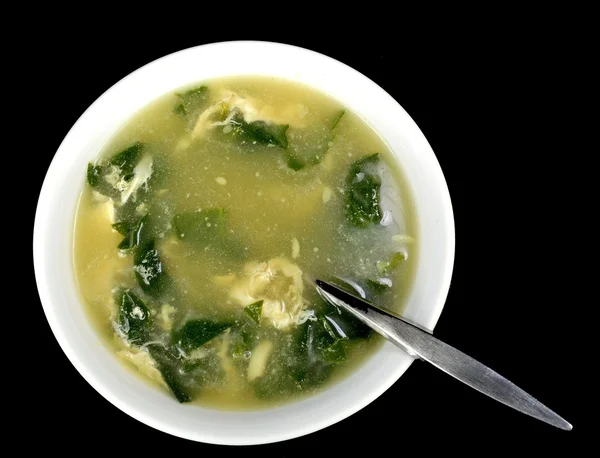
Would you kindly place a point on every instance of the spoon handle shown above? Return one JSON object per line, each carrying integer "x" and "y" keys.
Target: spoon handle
{"x": 417, "y": 342}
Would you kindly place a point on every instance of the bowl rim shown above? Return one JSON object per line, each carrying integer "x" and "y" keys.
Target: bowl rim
{"x": 40, "y": 224}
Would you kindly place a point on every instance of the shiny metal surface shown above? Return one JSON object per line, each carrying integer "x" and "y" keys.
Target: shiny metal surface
{"x": 423, "y": 345}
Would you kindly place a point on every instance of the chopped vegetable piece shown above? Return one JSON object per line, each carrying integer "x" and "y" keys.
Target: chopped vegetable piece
{"x": 94, "y": 174}
{"x": 134, "y": 235}
{"x": 329, "y": 345}
{"x": 243, "y": 338}
{"x": 168, "y": 365}
{"x": 301, "y": 365}
{"x": 260, "y": 131}
{"x": 339, "y": 323}
{"x": 335, "y": 353}
{"x": 195, "y": 333}
{"x": 127, "y": 159}
{"x": 191, "y": 101}
{"x": 122, "y": 227}
{"x": 179, "y": 110}
{"x": 310, "y": 368}
{"x": 172, "y": 380}
{"x": 134, "y": 318}
{"x": 149, "y": 270}
{"x": 123, "y": 175}
{"x": 387, "y": 266}
{"x": 297, "y": 159}
{"x": 191, "y": 366}
{"x": 254, "y": 311}
{"x": 202, "y": 226}
{"x": 362, "y": 192}
{"x": 208, "y": 229}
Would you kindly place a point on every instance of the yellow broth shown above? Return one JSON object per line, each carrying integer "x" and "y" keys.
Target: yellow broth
{"x": 234, "y": 209}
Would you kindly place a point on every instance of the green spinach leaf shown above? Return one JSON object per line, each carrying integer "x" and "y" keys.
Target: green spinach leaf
{"x": 134, "y": 318}
{"x": 387, "y": 266}
{"x": 122, "y": 227}
{"x": 191, "y": 101}
{"x": 127, "y": 159}
{"x": 109, "y": 179}
{"x": 149, "y": 270}
{"x": 343, "y": 325}
{"x": 254, "y": 311}
{"x": 299, "y": 156}
{"x": 94, "y": 174}
{"x": 382, "y": 283}
{"x": 208, "y": 229}
{"x": 329, "y": 344}
{"x": 179, "y": 110}
{"x": 362, "y": 192}
{"x": 244, "y": 338}
{"x": 335, "y": 353}
{"x": 169, "y": 366}
{"x": 133, "y": 236}
{"x": 259, "y": 131}
{"x": 346, "y": 326}
{"x": 196, "y": 333}
{"x": 311, "y": 369}
{"x": 297, "y": 367}
{"x": 202, "y": 226}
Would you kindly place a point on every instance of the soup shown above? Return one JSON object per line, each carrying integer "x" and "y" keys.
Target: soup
{"x": 204, "y": 222}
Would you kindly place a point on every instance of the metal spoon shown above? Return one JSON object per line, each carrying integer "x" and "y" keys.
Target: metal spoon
{"x": 417, "y": 342}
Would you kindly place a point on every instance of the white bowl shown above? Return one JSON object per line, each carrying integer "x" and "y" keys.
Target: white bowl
{"x": 52, "y": 241}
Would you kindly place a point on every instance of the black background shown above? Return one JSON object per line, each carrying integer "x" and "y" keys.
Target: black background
{"x": 484, "y": 110}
